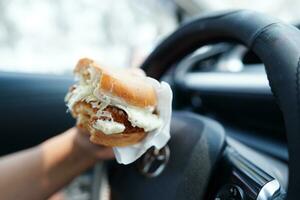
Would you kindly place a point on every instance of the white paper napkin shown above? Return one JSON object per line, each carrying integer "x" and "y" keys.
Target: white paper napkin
{"x": 157, "y": 138}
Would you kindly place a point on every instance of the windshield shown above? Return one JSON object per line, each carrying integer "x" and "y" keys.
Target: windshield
{"x": 50, "y": 36}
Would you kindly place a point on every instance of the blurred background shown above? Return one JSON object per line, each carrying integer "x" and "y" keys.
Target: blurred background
{"x": 50, "y": 36}
{"x": 226, "y": 82}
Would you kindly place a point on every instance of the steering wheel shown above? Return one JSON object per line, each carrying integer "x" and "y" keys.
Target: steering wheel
{"x": 198, "y": 146}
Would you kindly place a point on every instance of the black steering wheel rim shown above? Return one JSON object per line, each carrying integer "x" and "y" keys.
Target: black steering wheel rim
{"x": 273, "y": 41}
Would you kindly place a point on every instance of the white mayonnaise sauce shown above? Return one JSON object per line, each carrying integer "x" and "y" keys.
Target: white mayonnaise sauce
{"x": 109, "y": 127}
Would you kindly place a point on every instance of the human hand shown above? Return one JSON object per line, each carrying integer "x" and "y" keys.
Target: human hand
{"x": 85, "y": 146}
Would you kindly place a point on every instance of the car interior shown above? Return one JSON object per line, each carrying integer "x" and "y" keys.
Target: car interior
{"x": 235, "y": 120}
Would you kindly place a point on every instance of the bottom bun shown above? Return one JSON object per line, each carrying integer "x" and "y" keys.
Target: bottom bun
{"x": 115, "y": 140}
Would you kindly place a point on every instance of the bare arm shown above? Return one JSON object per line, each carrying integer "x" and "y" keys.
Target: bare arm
{"x": 38, "y": 172}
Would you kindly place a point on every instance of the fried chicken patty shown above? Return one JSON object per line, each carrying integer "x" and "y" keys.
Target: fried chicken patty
{"x": 117, "y": 114}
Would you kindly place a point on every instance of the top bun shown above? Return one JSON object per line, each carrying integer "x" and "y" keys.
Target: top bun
{"x": 131, "y": 88}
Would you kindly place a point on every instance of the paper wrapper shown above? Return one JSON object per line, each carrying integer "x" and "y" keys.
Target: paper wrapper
{"x": 157, "y": 138}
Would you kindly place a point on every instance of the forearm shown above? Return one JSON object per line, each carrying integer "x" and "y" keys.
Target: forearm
{"x": 40, "y": 171}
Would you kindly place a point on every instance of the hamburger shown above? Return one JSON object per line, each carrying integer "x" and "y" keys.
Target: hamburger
{"x": 117, "y": 108}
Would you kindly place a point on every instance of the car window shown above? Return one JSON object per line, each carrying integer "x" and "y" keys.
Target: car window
{"x": 50, "y": 36}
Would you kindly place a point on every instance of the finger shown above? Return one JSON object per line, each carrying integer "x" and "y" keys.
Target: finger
{"x": 105, "y": 153}
{"x": 82, "y": 130}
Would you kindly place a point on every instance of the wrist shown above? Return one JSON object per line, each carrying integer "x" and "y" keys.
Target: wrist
{"x": 62, "y": 160}
{"x": 66, "y": 147}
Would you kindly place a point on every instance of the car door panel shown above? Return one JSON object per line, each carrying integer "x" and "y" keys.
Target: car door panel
{"x": 32, "y": 109}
